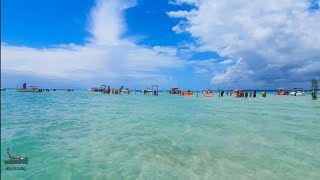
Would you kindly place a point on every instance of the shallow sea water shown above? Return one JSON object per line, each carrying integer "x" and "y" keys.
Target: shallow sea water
{"x": 84, "y": 135}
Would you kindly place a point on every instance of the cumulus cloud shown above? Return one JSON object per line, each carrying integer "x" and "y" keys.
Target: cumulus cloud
{"x": 276, "y": 41}
{"x": 165, "y": 50}
{"x": 177, "y": 29}
{"x": 180, "y": 14}
{"x": 228, "y": 61}
{"x": 202, "y": 67}
{"x": 181, "y": 2}
{"x": 104, "y": 57}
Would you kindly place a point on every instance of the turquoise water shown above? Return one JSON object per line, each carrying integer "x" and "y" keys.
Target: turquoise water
{"x": 83, "y": 135}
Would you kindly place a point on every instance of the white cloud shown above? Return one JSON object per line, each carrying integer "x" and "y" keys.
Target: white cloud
{"x": 228, "y": 61}
{"x": 203, "y": 67}
{"x": 106, "y": 56}
{"x": 181, "y": 2}
{"x": 179, "y": 28}
{"x": 274, "y": 39}
{"x": 165, "y": 50}
{"x": 180, "y": 14}
{"x": 234, "y": 73}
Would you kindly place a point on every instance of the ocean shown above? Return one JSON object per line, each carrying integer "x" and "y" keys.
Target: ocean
{"x": 86, "y": 135}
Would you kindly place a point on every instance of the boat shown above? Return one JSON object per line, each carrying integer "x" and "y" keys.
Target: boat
{"x": 126, "y": 90}
{"x": 105, "y": 90}
{"x": 188, "y": 93}
{"x": 15, "y": 159}
{"x": 174, "y": 91}
{"x": 31, "y": 89}
{"x": 298, "y": 92}
{"x": 3, "y": 89}
{"x": 114, "y": 91}
{"x": 208, "y": 93}
{"x": 282, "y": 92}
{"x": 92, "y": 89}
{"x": 147, "y": 91}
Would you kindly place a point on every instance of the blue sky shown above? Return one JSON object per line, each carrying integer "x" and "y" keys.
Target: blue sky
{"x": 187, "y": 43}
{"x": 39, "y": 23}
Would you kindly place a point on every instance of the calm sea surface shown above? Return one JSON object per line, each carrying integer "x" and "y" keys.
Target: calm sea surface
{"x": 85, "y": 135}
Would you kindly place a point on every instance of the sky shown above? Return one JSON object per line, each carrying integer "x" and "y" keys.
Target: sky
{"x": 191, "y": 44}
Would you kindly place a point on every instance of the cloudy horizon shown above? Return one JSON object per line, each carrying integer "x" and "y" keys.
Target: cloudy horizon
{"x": 186, "y": 43}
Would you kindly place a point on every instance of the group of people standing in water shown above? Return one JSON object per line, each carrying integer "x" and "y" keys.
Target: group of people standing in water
{"x": 242, "y": 93}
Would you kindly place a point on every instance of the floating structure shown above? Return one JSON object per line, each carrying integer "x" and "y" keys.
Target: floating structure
{"x": 298, "y": 92}
{"x": 155, "y": 90}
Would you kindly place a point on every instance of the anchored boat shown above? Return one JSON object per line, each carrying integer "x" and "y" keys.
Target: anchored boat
{"x": 93, "y": 89}
{"x": 298, "y": 92}
{"x": 174, "y": 91}
{"x": 105, "y": 90}
{"x": 32, "y": 88}
{"x": 147, "y": 91}
{"x": 126, "y": 90}
{"x": 208, "y": 93}
{"x": 281, "y": 91}
{"x": 187, "y": 93}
